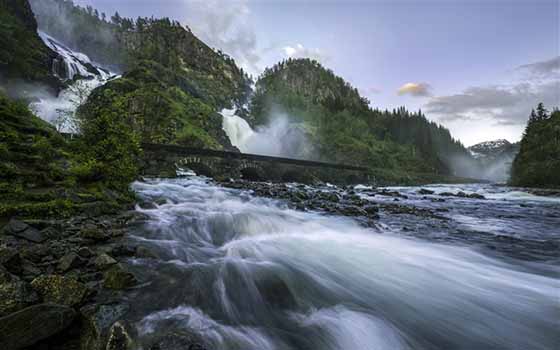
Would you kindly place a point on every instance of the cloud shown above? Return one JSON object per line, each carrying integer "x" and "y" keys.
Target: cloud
{"x": 300, "y": 51}
{"x": 225, "y": 25}
{"x": 415, "y": 89}
{"x": 543, "y": 68}
{"x": 499, "y": 104}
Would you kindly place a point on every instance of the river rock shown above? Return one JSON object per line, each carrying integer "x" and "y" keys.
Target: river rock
{"x": 97, "y": 320}
{"x": 119, "y": 338}
{"x": 425, "y": 191}
{"x": 117, "y": 277}
{"x": 70, "y": 261}
{"x": 11, "y": 260}
{"x": 177, "y": 340}
{"x": 22, "y": 230}
{"x": 94, "y": 233}
{"x": 104, "y": 261}
{"x": 14, "y": 294}
{"x": 33, "y": 324}
{"x": 60, "y": 290}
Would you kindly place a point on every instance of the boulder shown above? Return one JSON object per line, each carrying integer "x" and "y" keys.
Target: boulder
{"x": 95, "y": 234}
{"x": 104, "y": 261}
{"x": 11, "y": 260}
{"x": 14, "y": 294}
{"x": 119, "y": 338}
{"x": 22, "y": 230}
{"x": 117, "y": 277}
{"x": 96, "y": 322}
{"x": 69, "y": 262}
{"x": 177, "y": 340}
{"x": 424, "y": 192}
{"x": 60, "y": 290}
{"x": 33, "y": 324}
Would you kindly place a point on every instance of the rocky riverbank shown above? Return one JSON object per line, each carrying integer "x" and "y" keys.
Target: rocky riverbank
{"x": 62, "y": 282}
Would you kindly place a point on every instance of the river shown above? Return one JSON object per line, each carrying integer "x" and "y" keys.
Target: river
{"x": 237, "y": 271}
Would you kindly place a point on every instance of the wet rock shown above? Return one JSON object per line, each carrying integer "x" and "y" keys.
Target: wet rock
{"x": 15, "y": 226}
{"x": 122, "y": 250}
{"x": 117, "y": 277}
{"x": 145, "y": 253}
{"x": 119, "y": 338}
{"x": 424, "y": 192}
{"x": 33, "y": 324}
{"x": 14, "y": 294}
{"x": 94, "y": 233}
{"x": 104, "y": 261}
{"x": 97, "y": 320}
{"x": 11, "y": 260}
{"x": 70, "y": 261}
{"x": 60, "y": 290}
{"x": 177, "y": 340}
{"x": 476, "y": 196}
{"x": 22, "y": 230}
{"x": 35, "y": 252}
{"x": 85, "y": 252}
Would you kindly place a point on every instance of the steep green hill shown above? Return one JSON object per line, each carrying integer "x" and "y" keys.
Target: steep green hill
{"x": 538, "y": 162}
{"x": 23, "y": 56}
{"x": 173, "y": 84}
{"x": 344, "y": 127}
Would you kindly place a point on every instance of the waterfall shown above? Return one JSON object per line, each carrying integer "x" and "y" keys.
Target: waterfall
{"x": 281, "y": 137}
{"x": 83, "y": 77}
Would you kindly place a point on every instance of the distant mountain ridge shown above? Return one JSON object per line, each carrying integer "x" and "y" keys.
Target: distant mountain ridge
{"x": 493, "y": 148}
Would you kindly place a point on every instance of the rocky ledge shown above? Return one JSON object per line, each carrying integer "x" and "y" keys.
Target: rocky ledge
{"x": 345, "y": 201}
{"x": 63, "y": 282}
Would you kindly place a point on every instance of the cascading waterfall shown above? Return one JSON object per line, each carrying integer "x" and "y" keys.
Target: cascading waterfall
{"x": 244, "y": 273}
{"x": 59, "y": 110}
{"x": 280, "y": 138}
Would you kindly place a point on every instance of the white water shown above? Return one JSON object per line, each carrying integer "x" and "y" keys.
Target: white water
{"x": 60, "y": 110}
{"x": 280, "y": 138}
{"x": 249, "y": 273}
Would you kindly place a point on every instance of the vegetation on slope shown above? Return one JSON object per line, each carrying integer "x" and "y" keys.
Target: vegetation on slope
{"x": 173, "y": 83}
{"x": 23, "y": 56}
{"x": 43, "y": 175}
{"x": 345, "y": 128}
{"x": 538, "y": 162}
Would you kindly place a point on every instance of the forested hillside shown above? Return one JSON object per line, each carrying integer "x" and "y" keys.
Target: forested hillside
{"x": 538, "y": 161}
{"x": 173, "y": 84}
{"x": 345, "y": 128}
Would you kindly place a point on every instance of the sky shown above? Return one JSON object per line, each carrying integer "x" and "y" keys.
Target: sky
{"x": 476, "y": 66}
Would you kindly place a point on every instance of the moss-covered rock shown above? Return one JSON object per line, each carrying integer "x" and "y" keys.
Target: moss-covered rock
{"x": 60, "y": 290}
{"x": 14, "y": 293}
{"x": 118, "y": 278}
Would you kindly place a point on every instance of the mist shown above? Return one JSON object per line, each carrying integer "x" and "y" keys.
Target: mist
{"x": 281, "y": 137}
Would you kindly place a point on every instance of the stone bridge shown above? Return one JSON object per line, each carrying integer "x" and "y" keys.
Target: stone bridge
{"x": 163, "y": 161}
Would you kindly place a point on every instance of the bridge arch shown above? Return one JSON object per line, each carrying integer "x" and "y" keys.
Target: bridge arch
{"x": 251, "y": 171}
{"x": 200, "y": 165}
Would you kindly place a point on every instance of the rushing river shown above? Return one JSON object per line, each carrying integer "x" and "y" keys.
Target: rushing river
{"x": 243, "y": 272}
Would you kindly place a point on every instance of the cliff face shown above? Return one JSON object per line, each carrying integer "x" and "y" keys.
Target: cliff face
{"x": 23, "y": 57}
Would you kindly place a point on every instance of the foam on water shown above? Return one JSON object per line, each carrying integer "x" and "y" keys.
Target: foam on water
{"x": 297, "y": 280}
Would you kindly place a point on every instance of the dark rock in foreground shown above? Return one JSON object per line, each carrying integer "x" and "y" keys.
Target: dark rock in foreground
{"x": 33, "y": 324}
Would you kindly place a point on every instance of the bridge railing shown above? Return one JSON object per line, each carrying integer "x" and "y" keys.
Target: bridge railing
{"x": 187, "y": 151}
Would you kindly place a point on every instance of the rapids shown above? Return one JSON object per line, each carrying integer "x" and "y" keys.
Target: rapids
{"x": 243, "y": 272}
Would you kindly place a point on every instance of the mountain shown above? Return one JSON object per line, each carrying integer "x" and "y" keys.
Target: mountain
{"x": 490, "y": 148}
{"x": 494, "y": 159}
{"x": 344, "y": 128}
{"x": 538, "y": 162}
{"x": 173, "y": 85}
